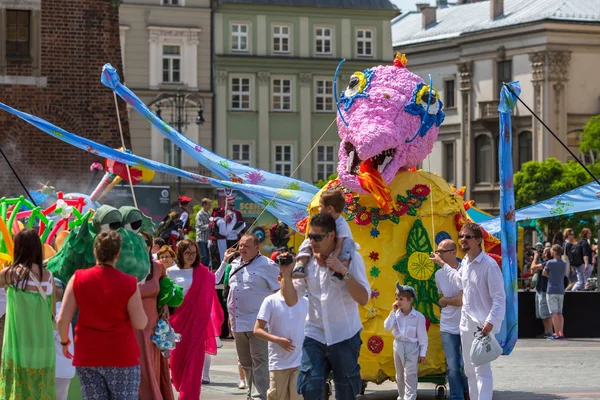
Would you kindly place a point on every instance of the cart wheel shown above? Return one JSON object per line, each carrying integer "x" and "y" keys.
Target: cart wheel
{"x": 364, "y": 387}
{"x": 441, "y": 393}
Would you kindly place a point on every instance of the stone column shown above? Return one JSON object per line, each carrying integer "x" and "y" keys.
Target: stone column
{"x": 264, "y": 107}
{"x": 305, "y": 127}
{"x": 465, "y": 71}
{"x": 222, "y": 106}
{"x": 558, "y": 76}
{"x": 538, "y": 75}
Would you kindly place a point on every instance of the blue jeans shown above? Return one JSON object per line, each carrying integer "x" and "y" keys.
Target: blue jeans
{"x": 318, "y": 360}
{"x": 204, "y": 257}
{"x": 456, "y": 373}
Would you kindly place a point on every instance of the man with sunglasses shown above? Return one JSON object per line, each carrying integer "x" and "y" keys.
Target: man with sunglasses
{"x": 484, "y": 304}
{"x": 450, "y": 305}
{"x": 333, "y": 326}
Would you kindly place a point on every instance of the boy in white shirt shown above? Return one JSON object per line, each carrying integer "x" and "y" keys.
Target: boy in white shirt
{"x": 65, "y": 371}
{"x": 332, "y": 202}
{"x": 410, "y": 347}
{"x": 285, "y": 337}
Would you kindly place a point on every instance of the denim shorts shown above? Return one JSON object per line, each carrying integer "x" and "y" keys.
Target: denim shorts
{"x": 541, "y": 306}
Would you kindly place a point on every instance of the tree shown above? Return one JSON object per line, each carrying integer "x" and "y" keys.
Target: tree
{"x": 322, "y": 183}
{"x": 590, "y": 138}
{"x": 540, "y": 180}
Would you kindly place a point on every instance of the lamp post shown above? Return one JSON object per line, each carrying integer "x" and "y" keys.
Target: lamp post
{"x": 180, "y": 105}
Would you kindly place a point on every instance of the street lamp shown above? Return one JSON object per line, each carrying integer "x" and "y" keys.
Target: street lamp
{"x": 180, "y": 106}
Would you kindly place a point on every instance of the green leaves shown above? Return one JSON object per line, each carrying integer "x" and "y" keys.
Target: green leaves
{"x": 590, "y": 138}
{"x": 418, "y": 239}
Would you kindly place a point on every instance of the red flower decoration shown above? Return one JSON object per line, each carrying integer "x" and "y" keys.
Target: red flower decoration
{"x": 375, "y": 344}
{"x": 427, "y": 324}
{"x": 374, "y": 294}
{"x": 374, "y": 256}
{"x": 349, "y": 198}
{"x": 401, "y": 209}
{"x": 363, "y": 218}
{"x": 301, "y": 225}
{"x": 420, "y": 190}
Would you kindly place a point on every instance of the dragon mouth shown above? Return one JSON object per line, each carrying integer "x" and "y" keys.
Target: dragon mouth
{"x": 380, "y": 161}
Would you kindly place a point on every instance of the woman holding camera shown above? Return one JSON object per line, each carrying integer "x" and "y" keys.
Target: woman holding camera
{"x": 198, "y": 320}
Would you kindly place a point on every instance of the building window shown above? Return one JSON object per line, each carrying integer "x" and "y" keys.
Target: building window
{"x": 449, "y": 93}
{"x": 171, "y": 61}
{"x": 172, "y": 2}
{"x": 281, "y": 39}
{"x": 171, "y": 153}
{"x": 241, "y": 153}
{"x": 364, "y": 42}
{"x": 503, "y": 73}
{"x": 325, "y": 162}
{"x": 483, "y": 159}
{"x": 240, "y": 93}
{"x": 284, "y": 159}
{"x": 282, "y": 95}
{"x": 449, "y": 164}
{"x": 525, "y": 148}
{"x": 239, "y": 37}
{"x": 324, "y": 95}
{"x": 17, "y": 33}
{"x": 323, "y": 41}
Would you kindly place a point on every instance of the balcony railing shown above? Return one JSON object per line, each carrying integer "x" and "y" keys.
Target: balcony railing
{"x": 168, "y": 179}
{"x": 488, "y": 110}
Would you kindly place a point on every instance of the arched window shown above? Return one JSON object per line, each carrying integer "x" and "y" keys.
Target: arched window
{"x": 483, "y": 159}
{"x": 525, "y": 147}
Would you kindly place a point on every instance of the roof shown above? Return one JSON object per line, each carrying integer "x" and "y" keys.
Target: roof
{"x": 371, "y": 4}
{"x": 458, "y": 20}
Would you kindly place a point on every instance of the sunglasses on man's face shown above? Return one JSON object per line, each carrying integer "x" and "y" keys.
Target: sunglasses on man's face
{"x": 468, "y": 237}
{"x": 317, "y": 237}
{"x": 442, "y": 251}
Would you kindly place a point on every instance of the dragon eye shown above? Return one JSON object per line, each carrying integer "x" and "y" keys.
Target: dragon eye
{"x": 134, "y": 226}
{"x": 353, "y": 82}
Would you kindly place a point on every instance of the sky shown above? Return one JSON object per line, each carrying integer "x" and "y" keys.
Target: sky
{"x": 409, "y": 5}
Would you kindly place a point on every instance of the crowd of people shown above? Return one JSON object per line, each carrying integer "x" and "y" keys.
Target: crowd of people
{"x": 294, "y": 317}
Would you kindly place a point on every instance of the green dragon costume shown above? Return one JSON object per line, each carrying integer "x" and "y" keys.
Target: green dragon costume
{"x": 78, "y": 249}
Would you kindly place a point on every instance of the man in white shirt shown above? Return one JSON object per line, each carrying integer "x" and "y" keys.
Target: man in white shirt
{"x": 235, "y": 223}
{"x": 450, "y": 305}
{"x": 333, "y": 325}
{"x": 484, "y": 304}
{"x": 252, "y": 278}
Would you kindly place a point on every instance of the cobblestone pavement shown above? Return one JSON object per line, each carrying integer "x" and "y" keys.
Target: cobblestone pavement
{"x": 536, "y": 370}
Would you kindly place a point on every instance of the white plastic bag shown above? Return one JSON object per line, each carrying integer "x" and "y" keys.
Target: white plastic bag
{"x": 485, "y": 349}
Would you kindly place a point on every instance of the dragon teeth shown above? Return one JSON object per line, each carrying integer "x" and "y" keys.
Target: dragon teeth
{"x": 387, "y": 160}
{"x": 349, "y": 162}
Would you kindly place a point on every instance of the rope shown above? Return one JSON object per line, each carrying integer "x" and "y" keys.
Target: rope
{"x": 292, "y": 174}
{"x": 124, "y": 149}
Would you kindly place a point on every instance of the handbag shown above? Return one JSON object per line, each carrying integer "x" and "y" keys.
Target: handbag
{"x": 485, "y": 349}
{"x": 44, "y": 296}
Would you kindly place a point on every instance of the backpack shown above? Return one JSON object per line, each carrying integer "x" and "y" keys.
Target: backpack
{"x": 576, "y": 254}
{"x": 213, "y": 230}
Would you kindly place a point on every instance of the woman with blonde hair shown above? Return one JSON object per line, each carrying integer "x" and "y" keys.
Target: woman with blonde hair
{"x": 198, "y": 320}
{"x": 28, "y": 354}
{"x": 107, "y": 356}
{"x": 166, "y": 256}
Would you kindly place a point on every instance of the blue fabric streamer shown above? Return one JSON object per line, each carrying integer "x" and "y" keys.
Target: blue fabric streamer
{"x": 288, "y": 205}
{"x": 507, "y": 337}
{"x": 221, "y": 167}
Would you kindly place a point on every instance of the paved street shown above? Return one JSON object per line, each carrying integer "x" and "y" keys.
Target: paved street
{"x": 536, "y": 370}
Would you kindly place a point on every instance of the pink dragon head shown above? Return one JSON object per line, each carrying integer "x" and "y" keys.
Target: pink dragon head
{"x": 388, "y": 115}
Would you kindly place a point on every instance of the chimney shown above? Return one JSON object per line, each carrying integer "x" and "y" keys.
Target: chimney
{"x": 442, "y": 3}
{"x": 421, "y": 6}
{"x": 427, "y": 16}
{"x": 496, "y": 8}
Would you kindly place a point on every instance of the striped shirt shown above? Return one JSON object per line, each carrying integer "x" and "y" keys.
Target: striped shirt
{"x": 202, "y": 222}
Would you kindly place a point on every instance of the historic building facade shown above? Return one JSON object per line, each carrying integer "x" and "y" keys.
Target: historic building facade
{"x": 550, "y": 46}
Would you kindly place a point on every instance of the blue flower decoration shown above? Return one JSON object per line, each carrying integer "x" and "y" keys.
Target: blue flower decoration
{"x": 430, "y": 110}
{"x": 374, "y": 232}
{"x": 357, "y": 88}
{"x": 443, "y": 235}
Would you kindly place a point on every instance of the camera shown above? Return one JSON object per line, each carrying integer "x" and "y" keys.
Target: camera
{"x": 540, "y": 252}
{"x": 284, "y": 260}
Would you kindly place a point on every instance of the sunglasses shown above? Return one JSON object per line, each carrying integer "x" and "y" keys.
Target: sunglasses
{"x": 468, "y": 237}
{"x": 442, "y": 251}
{"x": 317, "y": 237}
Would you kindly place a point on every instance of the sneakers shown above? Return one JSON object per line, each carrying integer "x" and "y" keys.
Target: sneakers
{"x": 242, "y": 385}
{"x": 544, "y": 336}
{"x": 555, "y": 337}
{"x": 299, "y": 272}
